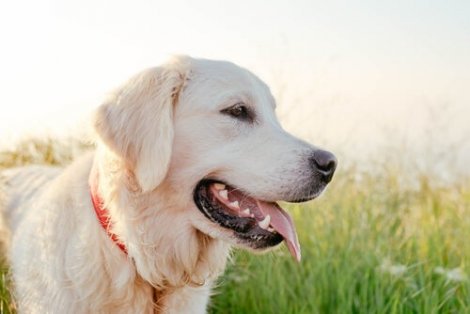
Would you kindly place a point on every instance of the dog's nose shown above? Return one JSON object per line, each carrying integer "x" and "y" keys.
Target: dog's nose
{"x": 324, "y": 163}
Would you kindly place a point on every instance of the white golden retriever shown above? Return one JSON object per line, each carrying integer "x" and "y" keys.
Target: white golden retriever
{"x": 190, "y": 160}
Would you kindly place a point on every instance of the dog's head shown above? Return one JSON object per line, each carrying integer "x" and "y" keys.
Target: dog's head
{"x": 207, "y": 131}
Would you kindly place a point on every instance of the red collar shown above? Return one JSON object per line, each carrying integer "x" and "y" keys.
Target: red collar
{"x": 101, "y": 212}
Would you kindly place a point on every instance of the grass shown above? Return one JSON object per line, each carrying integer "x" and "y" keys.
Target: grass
{"x": 368, "y": 247}
{"x": 6, "y": 300}
{"x": 371, "y": 244}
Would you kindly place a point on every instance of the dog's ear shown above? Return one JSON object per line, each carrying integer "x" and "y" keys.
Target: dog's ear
{"x": 136, "y": 122}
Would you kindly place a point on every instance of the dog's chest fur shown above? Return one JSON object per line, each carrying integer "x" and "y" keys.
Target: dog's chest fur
{"x": 65, "y": 260}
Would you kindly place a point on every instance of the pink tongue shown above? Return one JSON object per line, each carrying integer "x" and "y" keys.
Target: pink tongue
{"x": 281, "y": 221}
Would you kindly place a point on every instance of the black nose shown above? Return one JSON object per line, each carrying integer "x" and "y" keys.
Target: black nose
{"x": 324, "y": 163}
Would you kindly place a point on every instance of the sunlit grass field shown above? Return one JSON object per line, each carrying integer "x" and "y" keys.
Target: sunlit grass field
{"x": 377, "y": 241}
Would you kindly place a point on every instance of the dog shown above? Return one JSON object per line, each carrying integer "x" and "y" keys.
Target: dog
{"x": 190, "y": 160}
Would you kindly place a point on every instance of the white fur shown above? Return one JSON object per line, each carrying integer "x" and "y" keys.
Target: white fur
{"x": 158, "y": 135}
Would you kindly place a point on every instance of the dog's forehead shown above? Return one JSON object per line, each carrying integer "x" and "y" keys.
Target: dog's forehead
{"x": 226, "y": 80}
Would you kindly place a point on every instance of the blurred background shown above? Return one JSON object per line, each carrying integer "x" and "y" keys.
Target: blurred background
{"x": 385, "y": 85}
{"x": 349, "y": 75}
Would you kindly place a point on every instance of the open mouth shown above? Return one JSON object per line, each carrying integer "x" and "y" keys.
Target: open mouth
{"x": 258, "y": 224}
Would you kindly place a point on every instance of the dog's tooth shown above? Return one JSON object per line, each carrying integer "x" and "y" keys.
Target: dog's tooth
{"x": 219, "y": 186}
{"x": 224, "y": 194}
{"x": 246, "y": 212}
{"x": 235, "y": 205}
{"x": 270, "y": 229}
{"x": 265, "y": 222}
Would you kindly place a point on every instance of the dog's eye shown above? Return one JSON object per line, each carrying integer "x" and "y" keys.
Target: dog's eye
{"x": 239, "y": 111}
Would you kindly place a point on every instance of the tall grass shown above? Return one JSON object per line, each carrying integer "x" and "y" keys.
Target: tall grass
{"x": 371, "y": 244}
{"x": 43, "y": 151}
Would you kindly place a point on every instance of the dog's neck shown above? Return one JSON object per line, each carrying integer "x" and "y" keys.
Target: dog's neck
{"x": 102, "y": 213}
{"x": 167, "y": 251}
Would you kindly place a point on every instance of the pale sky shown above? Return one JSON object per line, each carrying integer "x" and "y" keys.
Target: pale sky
{"x": 344, "y": 72}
